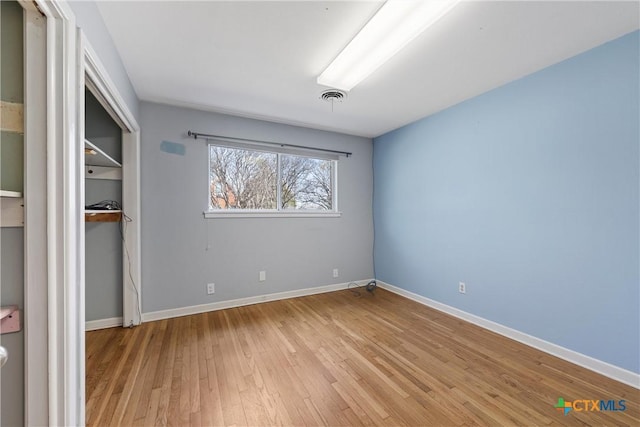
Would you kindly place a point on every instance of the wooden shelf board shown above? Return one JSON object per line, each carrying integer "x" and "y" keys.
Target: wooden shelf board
{"x": 102, "y": 216}
{"x": 100, "y": 158}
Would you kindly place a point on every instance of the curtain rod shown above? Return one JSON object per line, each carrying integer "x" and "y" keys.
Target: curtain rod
{"x": 197, "y": 135}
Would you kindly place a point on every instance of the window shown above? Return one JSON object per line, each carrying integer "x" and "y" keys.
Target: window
{"x": 250, "y": 180}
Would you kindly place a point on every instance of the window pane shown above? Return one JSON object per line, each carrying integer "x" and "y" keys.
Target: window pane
{"x": 242, "y": 179}
{"x": 306, "y": 183}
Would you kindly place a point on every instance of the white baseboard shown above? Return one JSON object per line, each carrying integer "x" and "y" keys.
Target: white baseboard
{"x": 598, "y": 366}
{"x": 221, "y": 305}
{"x": 94, "y": 325}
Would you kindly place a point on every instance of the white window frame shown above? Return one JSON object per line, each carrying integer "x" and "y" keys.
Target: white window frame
{"x": 273, "y": 213}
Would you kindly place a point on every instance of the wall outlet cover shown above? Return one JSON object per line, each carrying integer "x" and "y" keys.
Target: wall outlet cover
{"x": 211, "y": 288}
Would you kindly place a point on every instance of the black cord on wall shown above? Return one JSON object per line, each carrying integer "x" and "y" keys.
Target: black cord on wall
{"x": 123, "y": 228}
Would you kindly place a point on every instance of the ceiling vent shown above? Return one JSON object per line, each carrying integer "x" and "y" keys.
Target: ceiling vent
{"x": 333, "y": 95}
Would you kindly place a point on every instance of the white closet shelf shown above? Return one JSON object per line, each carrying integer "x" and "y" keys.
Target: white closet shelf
{"x": 93, "y": 156}
{"x": 7, "y": 193}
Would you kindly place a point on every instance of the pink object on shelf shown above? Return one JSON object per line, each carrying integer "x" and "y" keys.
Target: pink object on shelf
{"x": 9, "y": 319}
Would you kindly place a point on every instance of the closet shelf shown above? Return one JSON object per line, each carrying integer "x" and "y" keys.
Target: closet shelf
{"x": 13, "y": 194}
{"x": 93, "y": 156}
{"x": 102, "y": 216}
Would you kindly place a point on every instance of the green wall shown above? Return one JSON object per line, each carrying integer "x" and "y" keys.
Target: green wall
{"x": 11, "y": 90}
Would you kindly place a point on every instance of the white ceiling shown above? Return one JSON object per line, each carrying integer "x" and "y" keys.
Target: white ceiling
{"x": 260, "y": 59}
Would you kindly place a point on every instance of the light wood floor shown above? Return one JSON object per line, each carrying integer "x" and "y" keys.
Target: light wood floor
{"x": 334, "y": 359}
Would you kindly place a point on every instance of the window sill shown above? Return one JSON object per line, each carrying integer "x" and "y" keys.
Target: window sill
{"x": 271, "y": 214}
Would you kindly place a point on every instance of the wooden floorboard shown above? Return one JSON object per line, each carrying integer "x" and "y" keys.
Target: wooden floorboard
{"x": 334, "y": 359}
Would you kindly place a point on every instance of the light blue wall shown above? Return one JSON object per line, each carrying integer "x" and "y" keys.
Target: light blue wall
{"x": 182, "y": 251}
{"x": 529, "y": 194}
{"x": 89, "y": 19}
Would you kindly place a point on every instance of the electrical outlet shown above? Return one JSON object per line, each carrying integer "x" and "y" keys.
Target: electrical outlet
{"x": 462, "y": 288}
{"x": 211, "y": 288}
{"x": 335, "y": 272}
{"x": 263, "y": 276}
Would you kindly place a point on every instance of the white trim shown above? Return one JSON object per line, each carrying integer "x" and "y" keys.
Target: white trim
{"x": 81, "y": 262}
{"x": 72, "y": 220}
{"x": 334, "y": 186}
{"x": 36, "y": 382}
{"x": 65, "y": 335}
{"x": 278, "y": 179}
{"x": 94, "y": 325}
{"x": 105, "y": 91}
{"x": 270, "y": 214}
{"x": 221, "y": 305}
{"x": 608, "y": 370}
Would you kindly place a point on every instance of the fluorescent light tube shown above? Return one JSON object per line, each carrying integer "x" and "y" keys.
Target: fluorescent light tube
{"x": 395, "y": 24}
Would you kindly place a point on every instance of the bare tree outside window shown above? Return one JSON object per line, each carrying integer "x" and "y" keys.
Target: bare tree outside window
{"x": 242, "y": 179}
{"x": 306, "y": 183}
{"x": 246, "y": 179}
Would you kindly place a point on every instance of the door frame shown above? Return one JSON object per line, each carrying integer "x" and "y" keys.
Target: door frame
{"x": 93, "y": 75}
{"x": 57, "y": 57}
{"x": 36, "y": 363}
{"x": 53, "y": 279}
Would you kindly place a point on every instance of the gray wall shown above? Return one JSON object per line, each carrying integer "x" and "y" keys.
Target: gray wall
{"x": 11, "y": 239}
{"x": 297, "y": 253}
{"x": 89, "y": 19}
{"x": 103, "y": 243}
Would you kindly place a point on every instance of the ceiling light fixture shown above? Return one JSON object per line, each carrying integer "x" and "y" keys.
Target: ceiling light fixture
{"x": 395, "y": 24}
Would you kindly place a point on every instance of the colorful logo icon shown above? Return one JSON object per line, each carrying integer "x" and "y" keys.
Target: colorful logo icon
{"x": 589, "y": 405}
{"x": 563, "y": 406}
